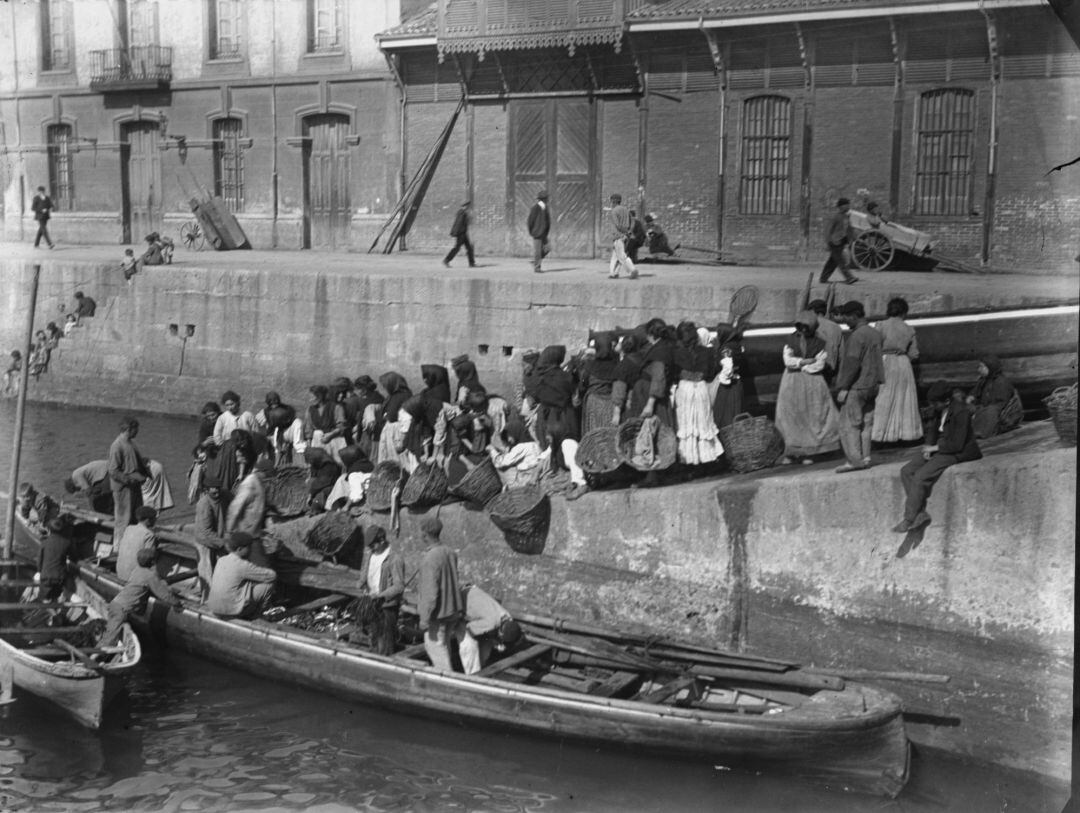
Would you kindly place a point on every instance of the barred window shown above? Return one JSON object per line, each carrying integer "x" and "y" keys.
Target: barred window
{"x": 945, "y": 159}
{"x": 225, "y": 28}
{"x": 229, "y": 163}
{"x": 326, "y": 25}
{"x": 61, "y": 176}
{"x": 765, "y": 182}
{"x": 55, "y": 35}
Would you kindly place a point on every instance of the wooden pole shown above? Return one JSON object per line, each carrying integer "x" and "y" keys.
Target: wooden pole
{"x": 20, "y": 414}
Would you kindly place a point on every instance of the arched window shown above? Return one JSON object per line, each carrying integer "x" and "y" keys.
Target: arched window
{"x": 765, "y": 182}
{"x": 945, "y": 152}
{"x": 61, "y": 175}
{"x": 229, "y": 163}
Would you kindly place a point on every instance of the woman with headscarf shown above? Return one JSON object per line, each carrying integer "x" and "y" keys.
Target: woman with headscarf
{"x": 390, "y": 434}
{"x": 551, "y": 388}
{"x": 207, "y": 419}
{"x": 468, "y": 381}
{"x": 728, "y": 401}
{"x": 657, "y": 372}
{"x": 285, "y": 433}
{"x": 698, "y": 439}
{"x": 596, "y": 383}
{"x": 368, "y": 409}
{"x": 324, "y": 421}
{"x": 625, "y": 403}
{"x": 323, "y": 472}
{"x": 896, "y": 409}
{"x": 806, "y": 416}
{"x": 995, "y": 400}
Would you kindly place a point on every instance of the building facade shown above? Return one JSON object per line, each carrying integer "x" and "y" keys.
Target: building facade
{"x": 738, "y": 123}
{"x": 126, "y": 110}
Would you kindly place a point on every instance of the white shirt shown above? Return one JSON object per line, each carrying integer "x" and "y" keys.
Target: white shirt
{"x": 374, "y": 570}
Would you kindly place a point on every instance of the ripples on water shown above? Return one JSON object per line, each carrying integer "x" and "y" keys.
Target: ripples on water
{"x": 193, "y": 736}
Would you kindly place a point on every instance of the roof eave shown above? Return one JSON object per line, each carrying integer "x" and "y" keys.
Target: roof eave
{"x": 422, "y": 41}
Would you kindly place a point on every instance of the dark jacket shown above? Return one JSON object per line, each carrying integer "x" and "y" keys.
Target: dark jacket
{"x": 42, "y": 207}
{"x": 539, "y": 222}
{"x": 860, "y": 365}
{"x": 391, "y": 578}
{"x": 958, "y": 436}
{"x": 461, "y": 223}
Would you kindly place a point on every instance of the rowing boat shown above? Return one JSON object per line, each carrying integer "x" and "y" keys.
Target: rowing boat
{"x": 48, "y": 649}
{"x": 562, "y": 679}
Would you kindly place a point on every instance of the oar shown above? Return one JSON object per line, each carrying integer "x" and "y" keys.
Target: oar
{"x": 592, "y": 649}
{"x": 74, "y": 652}
{"x": 872, "y": 674}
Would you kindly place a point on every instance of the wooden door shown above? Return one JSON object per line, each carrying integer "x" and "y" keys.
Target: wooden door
{"x": 141, "y": 180}
{"x": 326, "y": 186}
{"x": 552, "y": 146}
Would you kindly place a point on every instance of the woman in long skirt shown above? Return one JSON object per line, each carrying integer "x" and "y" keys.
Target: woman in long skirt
{"x": 806, "y": 416}
{"x": 391, "y": 436}
{"x": 896, "y": 413}
{"x": 699, "y": 440}
{"x": 595, "y": 385}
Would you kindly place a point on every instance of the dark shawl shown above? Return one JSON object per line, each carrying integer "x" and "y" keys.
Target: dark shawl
{"x": 324, "y": 471}
{"x": 994, "y": 387}
{"x": 465, "y": 372}
{"x": 397, "y": 392}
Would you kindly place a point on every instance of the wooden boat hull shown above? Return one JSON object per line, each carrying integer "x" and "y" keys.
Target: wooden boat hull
{"x": 853, "y": 738}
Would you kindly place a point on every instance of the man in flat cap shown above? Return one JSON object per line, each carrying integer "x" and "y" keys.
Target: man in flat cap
{"x": 385, "y": 570}
{"x": 950, "y": 439}
{"x": 440, "y": 604}
{"x": 837, "y": 238}
{"x": 240, "y": 588}
{"x": 861, "y": 374}
{"x": 539, "y": 225}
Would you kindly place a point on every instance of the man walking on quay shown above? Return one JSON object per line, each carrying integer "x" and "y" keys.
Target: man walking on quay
{"x": 619, "y": 217}
{"x": 127, "y": 473}
{"x": 42, "y": 207}
{"x": 539, "y": 225}
{"x": 837, "y": 238}
{"x": 440, "y": 603}
{"x": 460, "y": 232}
{"x": 861, "y": 373}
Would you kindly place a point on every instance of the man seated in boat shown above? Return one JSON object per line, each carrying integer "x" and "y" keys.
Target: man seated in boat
{"x": 131, "y": 600}
{"x": 136, "y": 537}
{"x": 487, "y": 626}
{"x": 56, "y": 548}
{"x": 240, "y": 588}
{"x": 385, "y": 570}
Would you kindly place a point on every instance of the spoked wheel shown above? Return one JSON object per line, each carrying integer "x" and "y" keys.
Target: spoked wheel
{"x": 872, "y": 251}
{"x": 193, "y": 236}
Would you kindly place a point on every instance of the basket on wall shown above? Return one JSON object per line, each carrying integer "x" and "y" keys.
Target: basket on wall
{"x": 480, "y": 485}
{"x": 380, "y": 491}
{"x": 1062, "y": 405}
{"x": 523, "y": 515}
{"x": 287, "y": 489}
{"x": 334, "y": 534}
{"x": 598, "y": 452}
{"x": 665, "y": 444}
{"x": 751, "y": 443}
{"x": 427, "y": 485}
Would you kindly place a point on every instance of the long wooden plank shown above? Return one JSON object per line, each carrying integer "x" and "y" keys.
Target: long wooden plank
{"x": 796, "y": 677}
{"x": 615, "y": 684}
{"x": 77, "y": 653}
{"x": 43, "y": 605}
{"x": 525, "y": 655}
{"x": 672, "y": 688}
{"x": 37, "y": 630}
{"x": 51, "y": 651}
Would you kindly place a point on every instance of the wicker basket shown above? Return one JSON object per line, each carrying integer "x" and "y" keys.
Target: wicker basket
{"x": 287, "y": 489}
{"x": 333, "y": 534}
{"x": 751, "y": 443}
{"x": 380, "y": 492}
{"x": 427, "y": 485}
{"x": 665, "y": 445}
{"x": 523, "y": 515}
{"x": 598, "y": 452}
{"x": 480, "y": 485}
{"x": 1062, "y": 405}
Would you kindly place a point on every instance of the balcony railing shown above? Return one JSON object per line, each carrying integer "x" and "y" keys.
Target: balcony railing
{"x": 140, "y": 67}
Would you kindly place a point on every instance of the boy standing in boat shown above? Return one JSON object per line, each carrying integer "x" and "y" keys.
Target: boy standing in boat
{"x": 439, "y": 604}
{"x": 385, "y": 571}
{"x": 131, "y": 600}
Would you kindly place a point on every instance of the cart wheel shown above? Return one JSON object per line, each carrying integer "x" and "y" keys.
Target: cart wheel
{"x": 193, "y": 235}
{"x": 872, "y": 251}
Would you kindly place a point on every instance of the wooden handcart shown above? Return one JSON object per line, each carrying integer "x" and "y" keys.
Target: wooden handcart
{"x": 213, "y": 223}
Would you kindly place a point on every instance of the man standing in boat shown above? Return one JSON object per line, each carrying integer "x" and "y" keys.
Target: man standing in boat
{"x": 440, "y": 603}
{"x": 487, "y": 626}
{"x": 127, "y": 473}
{"x": 131, "y": 600}
{"x": 137, "y": 537}
{"x": 385, "y": 569}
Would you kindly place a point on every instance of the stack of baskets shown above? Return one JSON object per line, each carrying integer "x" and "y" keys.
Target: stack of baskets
{"x": 427, "y": 485}
{"x": 287, "y": 490}
{"x": 665, "y": 444}
{"x": 480, "y": 485}
{"x": 598, "y": 452}
{"x": 1062, "y": 405}
{"x": 523, "y": 515}
{"x": 380, "y": 493}
{"x": 751, "y": 443}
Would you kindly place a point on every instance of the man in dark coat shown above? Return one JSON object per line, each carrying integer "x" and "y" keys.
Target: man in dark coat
{"x": 460, "y": 232}
{"x": 539, "y": 225}
{"x": 127, "y": 472}
{"x": 837, "y": 238}
{"x": 42, "y": 207}
{"x": 950, "y": 439}
{"x": 85, "y": 306}
{"x": 439, "y": 603}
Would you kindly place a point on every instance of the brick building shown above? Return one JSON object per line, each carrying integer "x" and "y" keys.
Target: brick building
{"x": 739, "y": 122}
{"x": 284, "y": 108}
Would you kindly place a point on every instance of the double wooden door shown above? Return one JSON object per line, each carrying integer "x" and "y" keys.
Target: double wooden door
{"x": 327, "y": 212}
{"x": 141, "y": 180}
{"x": 553, "y": 146}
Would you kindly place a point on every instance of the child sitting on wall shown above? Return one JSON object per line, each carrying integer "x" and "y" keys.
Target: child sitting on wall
{"x": 129, "y": 265}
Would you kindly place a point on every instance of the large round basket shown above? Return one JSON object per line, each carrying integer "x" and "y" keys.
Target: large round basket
{"x": 1062, "y": 405}
{"x": 523, "y": 515}
{"x": 598, "y": 452}
{"x": 427, "y": 485}
{"x": 751, "y": 443}
{"x": 665, "y": 444}
{"x": 334, "y": 534}
{"x": 380, "y": 492}
{"x": 287, "y": 489}
{"x": 480, "y": 485}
